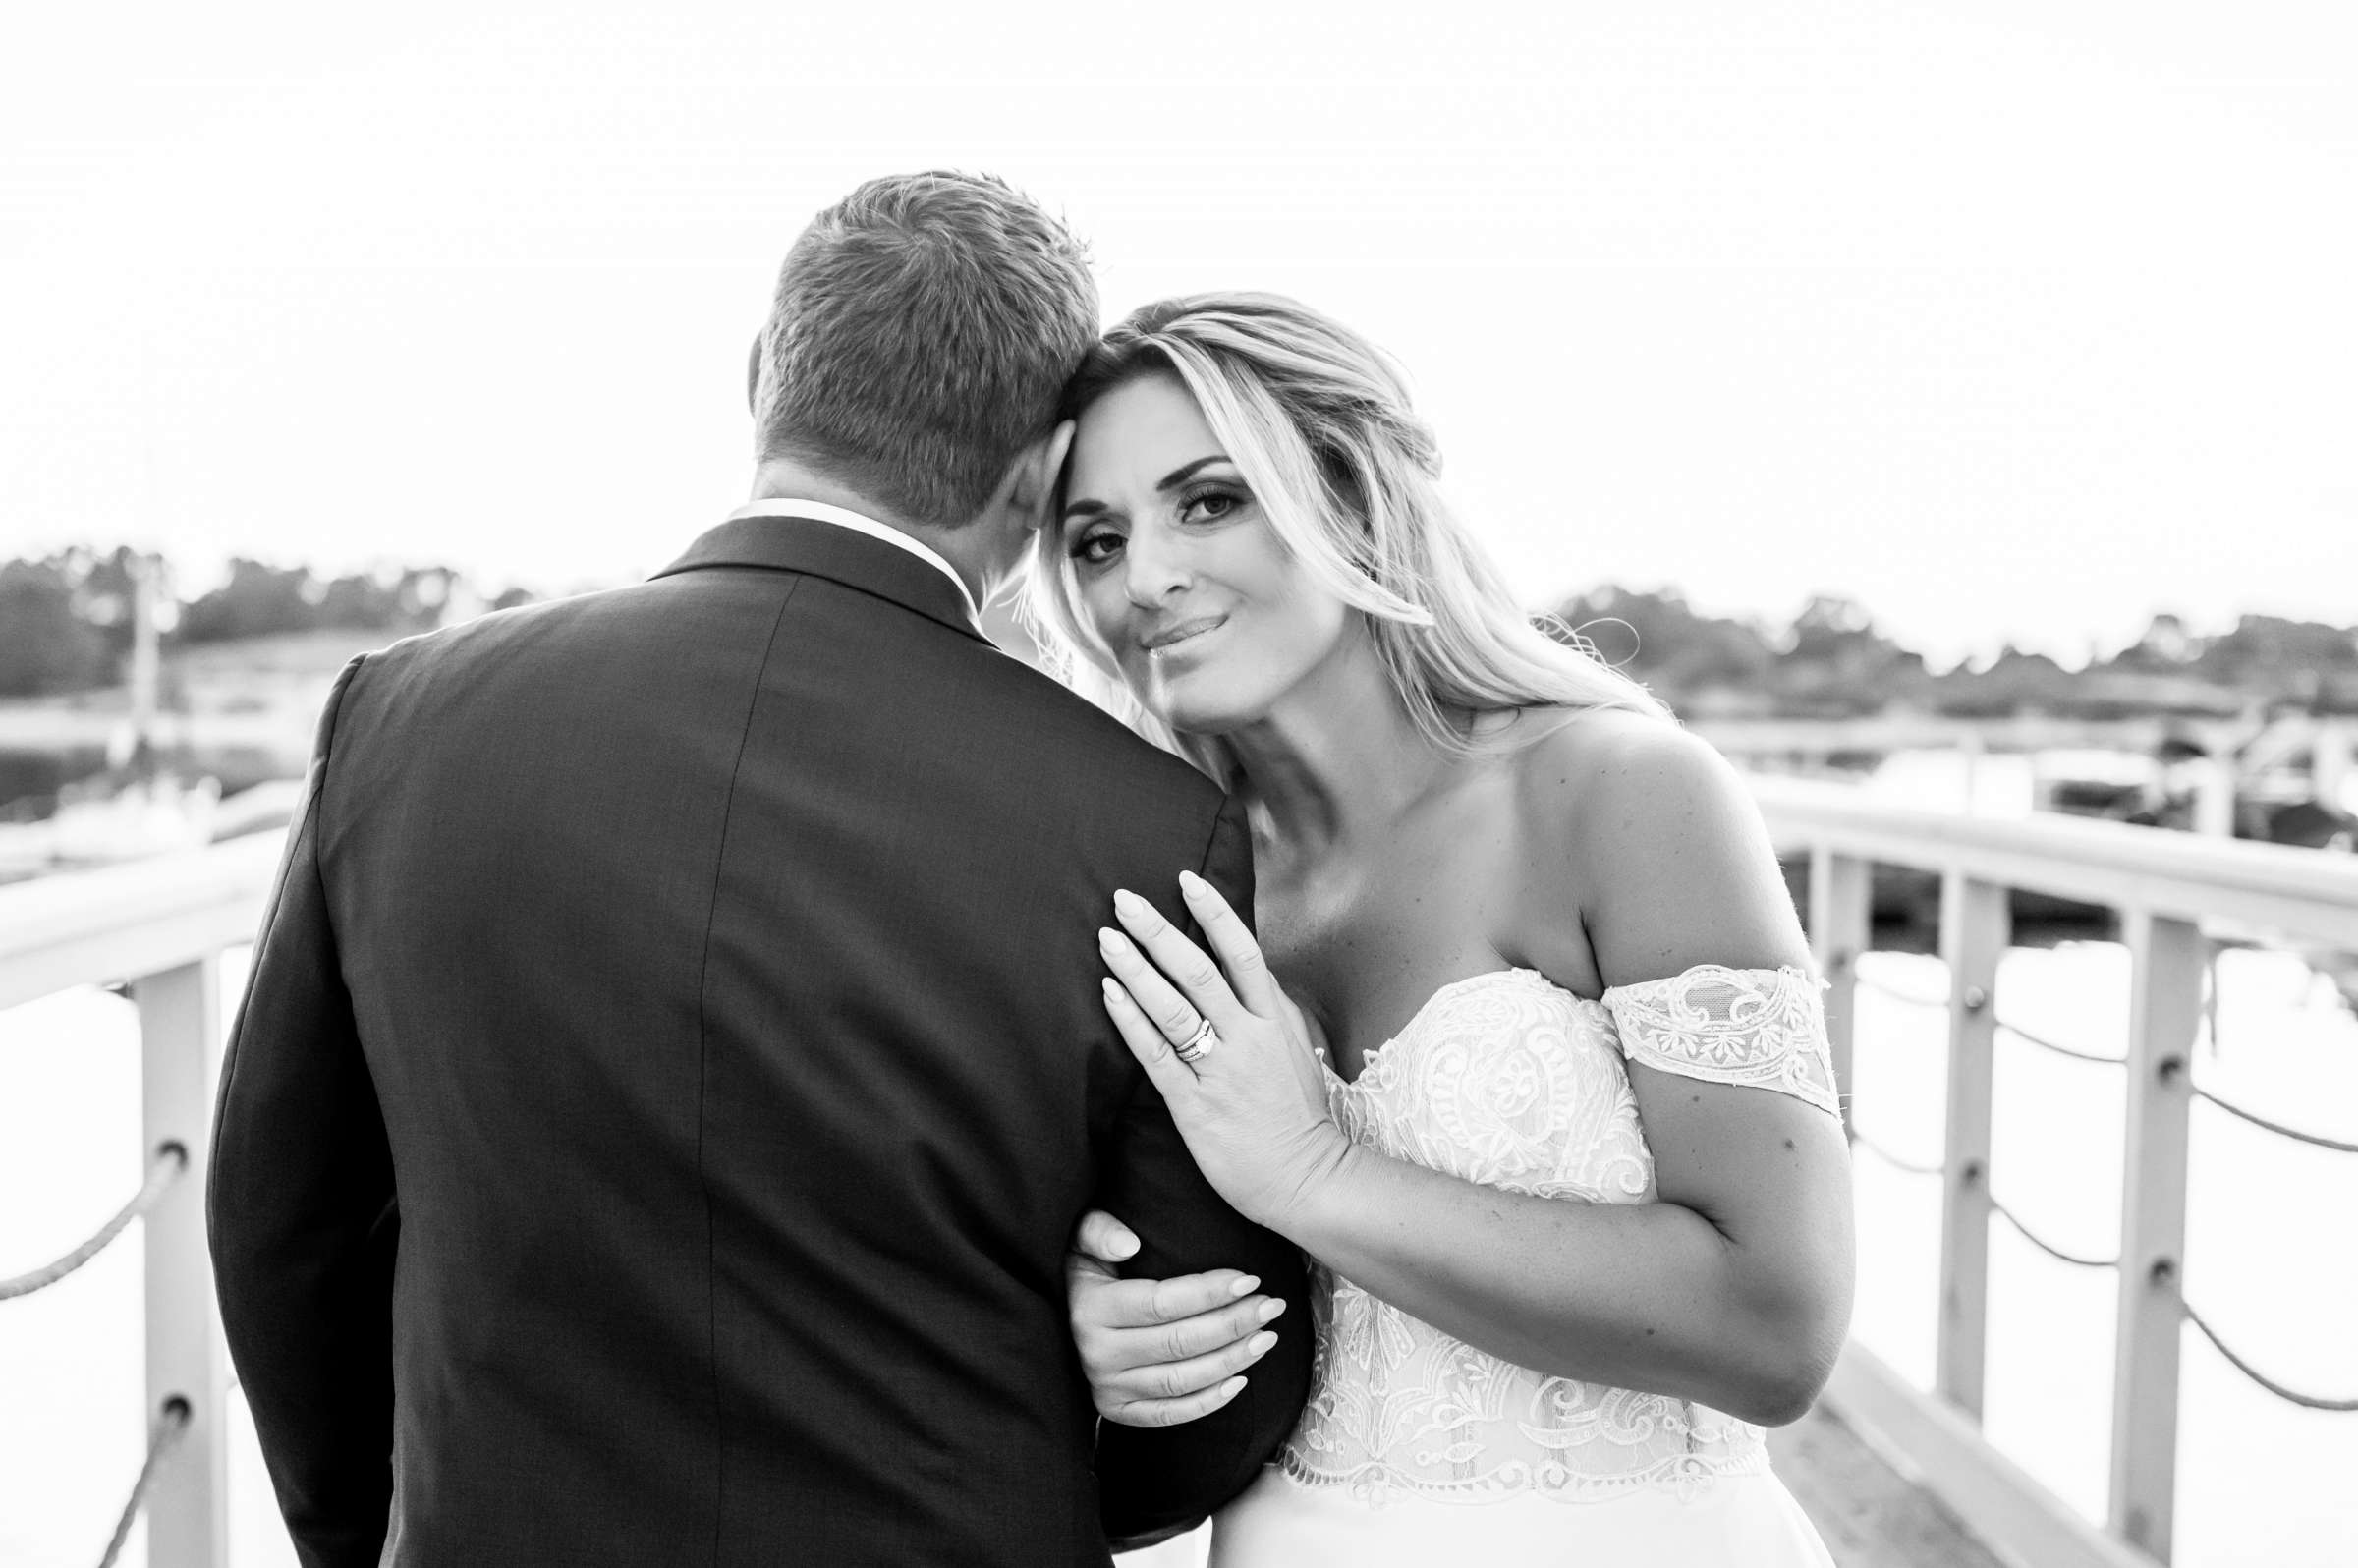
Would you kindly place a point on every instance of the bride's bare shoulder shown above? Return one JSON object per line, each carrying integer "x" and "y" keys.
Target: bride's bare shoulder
{"x": 1650, "y": 836}
{"x": 1593, "y": 771}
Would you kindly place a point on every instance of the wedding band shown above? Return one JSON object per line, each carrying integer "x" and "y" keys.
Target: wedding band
{"x": 1199, "y": 1045}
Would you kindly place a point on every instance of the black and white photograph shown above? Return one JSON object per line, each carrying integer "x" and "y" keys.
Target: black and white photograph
{"x": 1290, "y": 786}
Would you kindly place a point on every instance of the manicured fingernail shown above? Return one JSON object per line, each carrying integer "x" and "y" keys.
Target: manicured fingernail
{"x": 1123, "y": 1246}
{"x": 1271, "y": 1307}
{"x": 1189, "y": 882}
{"x": 1259, "y": 1345}
{"x": 1107, "y": 936}
{"x": 1244, "y": 1287}
{"x": 1232, "y": 1387}
{"x": 1127, "y": 902}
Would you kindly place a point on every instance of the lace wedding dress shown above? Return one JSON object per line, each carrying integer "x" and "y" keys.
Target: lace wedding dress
{"x": 1418, "y": 1449}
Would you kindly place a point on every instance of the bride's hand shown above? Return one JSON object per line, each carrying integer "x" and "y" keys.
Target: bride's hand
{"x": 1159, "y": 1352}
{"x": 1254, "y": 1108}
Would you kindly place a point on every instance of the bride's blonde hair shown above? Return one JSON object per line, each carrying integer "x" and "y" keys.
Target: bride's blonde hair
{"x": 1318, "y": 421}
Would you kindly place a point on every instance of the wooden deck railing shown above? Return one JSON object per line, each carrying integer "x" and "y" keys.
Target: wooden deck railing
{"x": 2168, "y": 889}
{"x": 162, "y": 926}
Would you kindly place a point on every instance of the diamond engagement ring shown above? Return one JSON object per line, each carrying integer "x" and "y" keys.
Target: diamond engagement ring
{"x": 1198, "y": 1045}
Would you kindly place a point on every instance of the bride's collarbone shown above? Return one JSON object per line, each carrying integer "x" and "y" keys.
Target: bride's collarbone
{"x": 1363, "y": 946}
{"x": 1416, "y": 858}
{"x": 1363, "y": 931}
{"x": 1366, "y": 980}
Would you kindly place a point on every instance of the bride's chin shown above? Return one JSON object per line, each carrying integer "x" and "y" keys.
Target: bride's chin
{"x": 1200, "y": 719}
{"x": 1190, "y": 705}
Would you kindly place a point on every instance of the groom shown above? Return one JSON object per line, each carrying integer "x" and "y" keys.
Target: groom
{"x": 674, "y": 1064}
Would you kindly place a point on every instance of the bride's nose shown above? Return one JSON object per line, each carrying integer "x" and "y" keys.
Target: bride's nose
{"x": 1154, "y": 568}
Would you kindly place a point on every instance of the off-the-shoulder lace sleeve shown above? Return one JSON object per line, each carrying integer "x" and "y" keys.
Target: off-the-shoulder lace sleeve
{"x": 1765, "y": 1028}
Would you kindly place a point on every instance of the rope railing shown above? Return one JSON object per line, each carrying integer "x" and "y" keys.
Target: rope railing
{"x": 2290, "y": 1395}
{"x": 2064, "y": 1255}
{"x": 1896, "y": 993}
{"x": 169, "y": 1164}
{"x": 2060, "y": 1049}
{"x": 2058, "y": 1253}
{"x": 170, "y": 1423}
{"x": 2028, "y": 1036}
{"x": 1896, "y": 1162}
{"x": 2315, "y": 1139}
{"x": 1998, "y": 1205}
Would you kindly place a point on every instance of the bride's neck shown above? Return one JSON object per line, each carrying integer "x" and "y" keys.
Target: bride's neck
{"x": 1338, "y": 757}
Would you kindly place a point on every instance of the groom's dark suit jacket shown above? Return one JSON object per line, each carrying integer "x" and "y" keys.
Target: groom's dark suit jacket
{"x": 672, "y": 1068}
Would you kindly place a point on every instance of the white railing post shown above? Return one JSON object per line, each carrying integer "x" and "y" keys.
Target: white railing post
{"x": 187, "y": 1509}
{"x": 2331, "y": 745}
{"x": 2214, "y": 796}
{"x": 1841, "y": 910}
{"x": 2167, "y": 961}
{"x": 1973, "y": 930}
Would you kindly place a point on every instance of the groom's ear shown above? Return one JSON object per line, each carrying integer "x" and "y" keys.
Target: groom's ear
{"x": 1036, "y": 472}
{"x": 1059, "y": 448}
{"x": 1052, "y": 467}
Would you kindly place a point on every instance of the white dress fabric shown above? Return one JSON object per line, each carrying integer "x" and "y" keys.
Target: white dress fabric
{"x": 1416, "y": 1448}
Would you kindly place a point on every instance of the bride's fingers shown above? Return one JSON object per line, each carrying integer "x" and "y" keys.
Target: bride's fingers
{"x": 1170, "y": 1412}
{"x": 1117, "y": 1333}
{"x": 1190, "y": 968}
{"x": 1173, "y": 1077}
{"x": 1176, "y": 1379}
{"x": 1232, "y": 942}
{"x": 1156, "y": 997}
{"x": 1159, "y": 1306}
{"x": 1105, "y": 1238}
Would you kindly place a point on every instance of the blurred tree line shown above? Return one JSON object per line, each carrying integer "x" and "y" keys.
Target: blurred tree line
{"x": 66, "y": 625}
{"x": 66, "y": 620}
{"x": 1833, "y": 662}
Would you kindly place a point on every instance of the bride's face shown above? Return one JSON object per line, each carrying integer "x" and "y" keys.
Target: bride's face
{"x": 1208, "y": 615}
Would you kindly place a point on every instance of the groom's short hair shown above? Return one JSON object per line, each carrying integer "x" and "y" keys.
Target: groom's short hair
{"x": 920, "y": 334}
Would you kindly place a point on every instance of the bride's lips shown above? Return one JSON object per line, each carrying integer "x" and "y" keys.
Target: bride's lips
{"x": 1178, "y": 634}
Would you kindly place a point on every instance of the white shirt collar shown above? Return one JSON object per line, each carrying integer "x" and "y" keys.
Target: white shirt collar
{"x": 844, "y": 517}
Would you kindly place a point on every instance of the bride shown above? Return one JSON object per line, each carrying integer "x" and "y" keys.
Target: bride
{"x": 1526, "y": 1057}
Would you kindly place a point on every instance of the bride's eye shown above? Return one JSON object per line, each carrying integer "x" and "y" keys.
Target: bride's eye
{"x": 1097, "y": 547}
{"x": 1209, "y": 504}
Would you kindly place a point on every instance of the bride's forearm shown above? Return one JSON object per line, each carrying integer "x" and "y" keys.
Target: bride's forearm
{"x": 1647, "y": 1295}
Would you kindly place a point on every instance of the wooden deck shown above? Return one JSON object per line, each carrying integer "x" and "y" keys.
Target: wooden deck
{"x": 1871, "y": 1516}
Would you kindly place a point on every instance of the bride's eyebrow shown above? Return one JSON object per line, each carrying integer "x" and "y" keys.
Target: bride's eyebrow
{"x": 1087, "y": 508}
{"x": 1179, "y": 476}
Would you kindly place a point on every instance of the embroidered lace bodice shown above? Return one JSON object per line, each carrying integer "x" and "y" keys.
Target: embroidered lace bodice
{"x": 1508, "y": 1080}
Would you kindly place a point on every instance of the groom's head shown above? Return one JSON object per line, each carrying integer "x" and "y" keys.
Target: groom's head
{"x": 920, "y": 334}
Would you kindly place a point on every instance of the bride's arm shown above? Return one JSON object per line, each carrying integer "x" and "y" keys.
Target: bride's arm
{"x": 1734, "y": 1289}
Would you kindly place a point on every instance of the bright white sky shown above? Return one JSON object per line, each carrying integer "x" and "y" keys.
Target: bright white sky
{"x": 2016, "y": 320}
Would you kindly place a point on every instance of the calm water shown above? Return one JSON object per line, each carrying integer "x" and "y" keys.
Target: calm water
{"x": 2269, "y": 1255}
